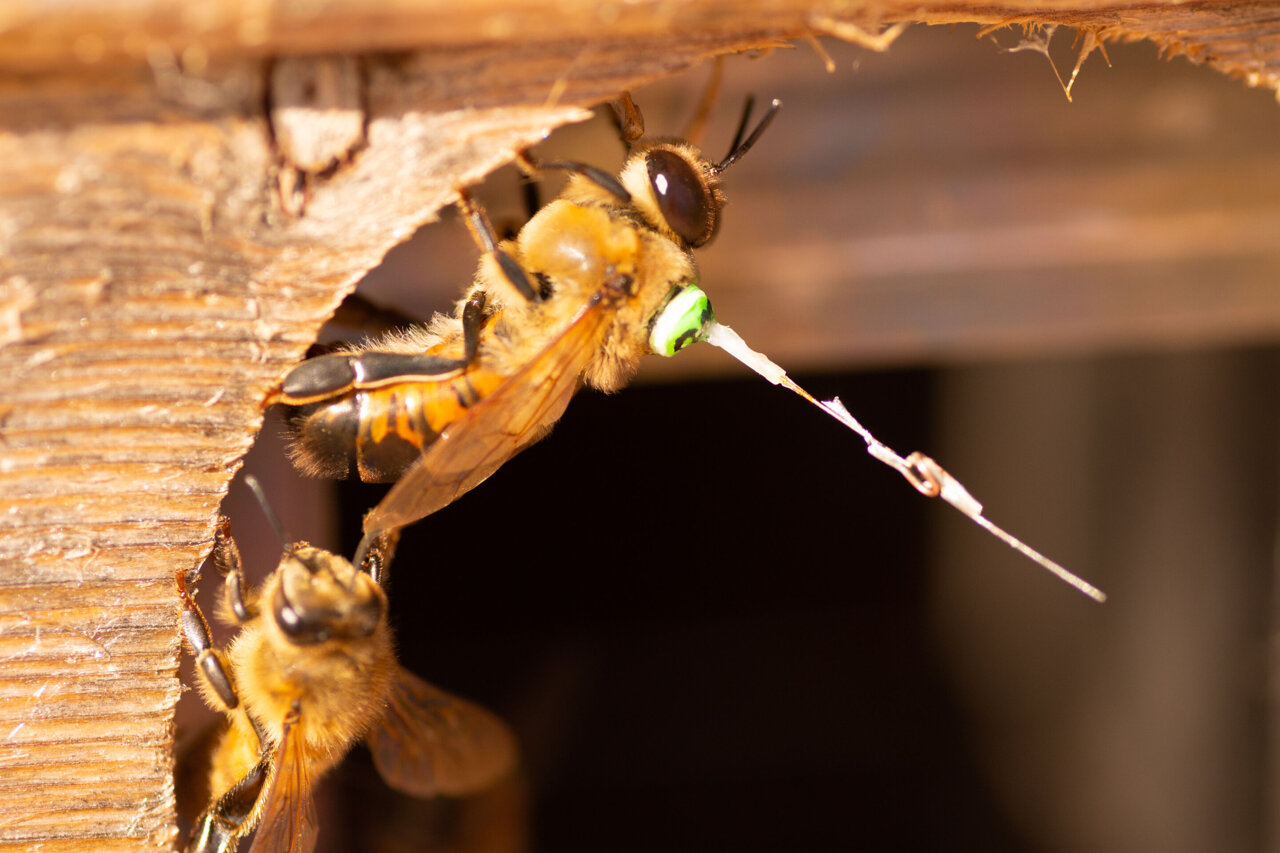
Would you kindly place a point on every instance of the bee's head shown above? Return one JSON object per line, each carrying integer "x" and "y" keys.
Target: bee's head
{"x": 320, "y": 596}
{"x": 678, "y": 190}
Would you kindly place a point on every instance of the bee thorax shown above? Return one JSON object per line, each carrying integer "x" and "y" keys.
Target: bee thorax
{"x": 577, "y": 247}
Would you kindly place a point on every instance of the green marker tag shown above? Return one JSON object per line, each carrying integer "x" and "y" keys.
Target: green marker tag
{"x": 683, "y": 321}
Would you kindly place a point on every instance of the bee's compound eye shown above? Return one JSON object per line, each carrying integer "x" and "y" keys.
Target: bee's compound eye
{"x": 302, "y": 627}
{"x": 682, "y": 196}
{"x": 682, "y": 321}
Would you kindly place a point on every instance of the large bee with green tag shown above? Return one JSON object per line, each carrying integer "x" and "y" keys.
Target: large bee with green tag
{"x": 596, "y": 279}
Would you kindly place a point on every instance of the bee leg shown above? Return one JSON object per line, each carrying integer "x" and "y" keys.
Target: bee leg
{"x": 531, "y": 166}
{"x": 532, "y": 196}
{"x": 227, "y": 558}
{"x": 219, "y": 828}
{"x": 627, "y": 118}
{"x": 324, "y": 377}
{"x": 482, "y": 231}
{"x": 698, "y": 124}
{"x": 375, "y": 552}
{"x": 209, "y": 661}
{"x": 472, "y": 320}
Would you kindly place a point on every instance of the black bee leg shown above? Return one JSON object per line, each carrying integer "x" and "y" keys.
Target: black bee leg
{"x": 209, "y": 661}
{"x": 532, "y": 196}
{"x": 325, "y": 377}
{"x": 531, "y": 166}
{"x": 472, "y": 320}
{"x": 218, "y": 829}
{"x": 482, "y": 231}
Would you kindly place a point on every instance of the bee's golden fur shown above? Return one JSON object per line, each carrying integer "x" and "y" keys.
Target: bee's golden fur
{"x": 342, "y": 686}
{"x": 311, "y": 672}
{"x": 576, "y": 297}
{"x": 575, "y": 243}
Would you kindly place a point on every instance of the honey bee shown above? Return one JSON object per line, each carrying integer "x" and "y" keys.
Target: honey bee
{"x": 598, "y": 278}
{"x": 311, "y": 672}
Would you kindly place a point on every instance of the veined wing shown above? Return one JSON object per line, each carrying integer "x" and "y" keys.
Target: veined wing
{"x": 289, "y": 816}
{"x": 430, "y": 742}
{"x": 499, "y": 426}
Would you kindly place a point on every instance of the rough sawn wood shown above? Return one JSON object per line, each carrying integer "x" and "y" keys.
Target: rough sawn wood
{"x": 179, "y": 213}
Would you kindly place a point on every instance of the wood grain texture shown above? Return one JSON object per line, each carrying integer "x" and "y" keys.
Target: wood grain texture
{"x": 153, "y": 286}
{"x": 177, "y": 219}
{"x": 1237, "y": 38}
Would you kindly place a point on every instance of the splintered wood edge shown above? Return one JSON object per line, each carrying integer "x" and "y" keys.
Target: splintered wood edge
{"x": 179, "y": 213}
{"x": 1233, "y": 37}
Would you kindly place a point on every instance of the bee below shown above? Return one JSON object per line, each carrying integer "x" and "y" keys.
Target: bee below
{"x": 311, "y": 672}
{"x": 595, "y": 280}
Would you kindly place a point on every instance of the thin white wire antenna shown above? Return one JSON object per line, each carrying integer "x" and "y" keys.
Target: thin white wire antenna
{"x": 928, "y": 477}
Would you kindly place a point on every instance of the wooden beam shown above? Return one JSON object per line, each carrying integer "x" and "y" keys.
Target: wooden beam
{"x": 180, "y": 211}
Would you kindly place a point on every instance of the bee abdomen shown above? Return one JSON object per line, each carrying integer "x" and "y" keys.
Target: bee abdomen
{"x": 395, "y": 428}
{"x": 379, "y": 432}
{"x": 351, "y": 411}
{"x": 324, "y": 436}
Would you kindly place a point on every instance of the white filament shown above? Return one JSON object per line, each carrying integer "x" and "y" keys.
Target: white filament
{"x": 731, "y": 342}
{"x": 926, "y": 475}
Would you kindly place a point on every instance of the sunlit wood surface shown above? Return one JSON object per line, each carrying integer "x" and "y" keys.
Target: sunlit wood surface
{"x": 165, "y": 256}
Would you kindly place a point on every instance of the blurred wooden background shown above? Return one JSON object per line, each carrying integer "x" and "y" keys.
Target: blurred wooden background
{"x": 1098, "y": 275}
{"x": 1093, "y": 287}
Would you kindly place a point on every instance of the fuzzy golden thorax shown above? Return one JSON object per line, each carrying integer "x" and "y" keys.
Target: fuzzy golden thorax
{"x": 578, "y": 249}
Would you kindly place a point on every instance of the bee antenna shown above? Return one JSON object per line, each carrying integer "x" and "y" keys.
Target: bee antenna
{"x": 274, "y": 520}
{"x": 742, "y": 123}
{"x": 741, "y": 146}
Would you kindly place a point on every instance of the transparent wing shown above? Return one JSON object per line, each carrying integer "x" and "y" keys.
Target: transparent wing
{"x": 289, "y": 816}
{"x": 498, "y": 427}
{"x": 431, "y": 742}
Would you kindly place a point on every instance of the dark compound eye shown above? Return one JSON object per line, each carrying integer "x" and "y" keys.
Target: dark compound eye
{"x": 682, "y": 196}
{"x": 308, "y": 615}
{"x": 303, "y": 627}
